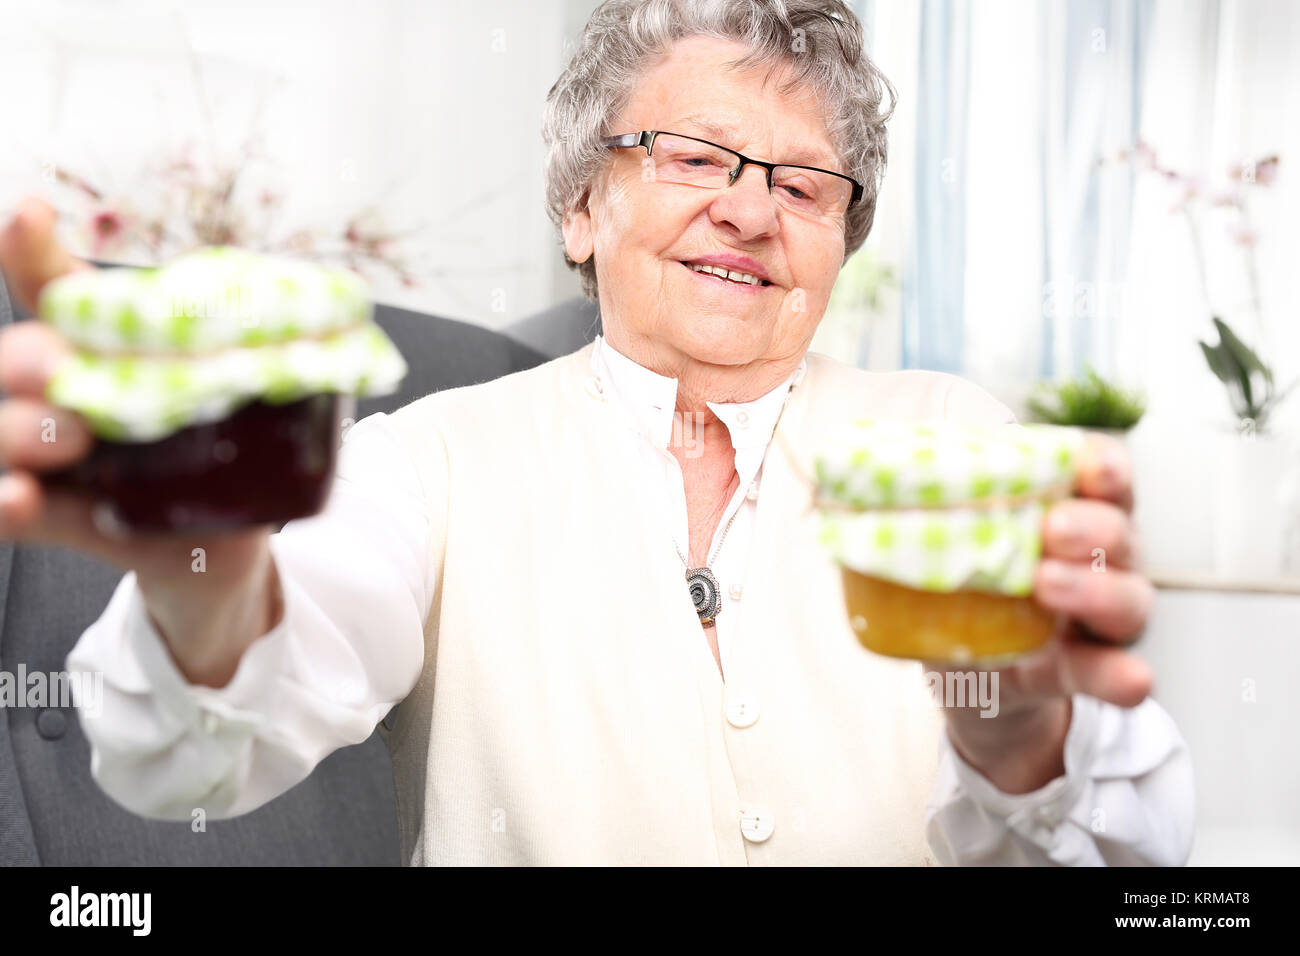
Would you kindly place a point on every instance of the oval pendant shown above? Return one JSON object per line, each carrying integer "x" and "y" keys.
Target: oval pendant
{"x": 705, "y": 593}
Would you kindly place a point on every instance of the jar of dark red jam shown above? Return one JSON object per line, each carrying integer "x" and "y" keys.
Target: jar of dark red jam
{"x": 265, "y": 464}
{"x": 216, "y": 387}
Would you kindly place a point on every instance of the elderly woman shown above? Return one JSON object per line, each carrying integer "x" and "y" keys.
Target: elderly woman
{"x": 509, "y": 561}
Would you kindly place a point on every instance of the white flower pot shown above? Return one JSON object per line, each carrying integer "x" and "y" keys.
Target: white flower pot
{"x": 1255, "y": 482}
{"x": 1175, "y": 494}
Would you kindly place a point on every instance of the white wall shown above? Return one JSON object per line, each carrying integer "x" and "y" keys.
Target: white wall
{"x": 1225, "y": 667}
{"x": 430, "y": 110}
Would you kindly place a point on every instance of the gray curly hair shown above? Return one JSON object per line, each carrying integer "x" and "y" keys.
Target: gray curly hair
{"x": 621, "y": 38}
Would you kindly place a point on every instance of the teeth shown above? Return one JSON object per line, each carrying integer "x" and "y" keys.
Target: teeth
{"x": 722, "y": 273}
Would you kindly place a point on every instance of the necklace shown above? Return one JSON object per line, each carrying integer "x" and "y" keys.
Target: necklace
{"x": 703, "y": 586}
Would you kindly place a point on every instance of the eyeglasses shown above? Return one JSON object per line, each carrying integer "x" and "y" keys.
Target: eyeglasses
{"x": 806, "y": 190}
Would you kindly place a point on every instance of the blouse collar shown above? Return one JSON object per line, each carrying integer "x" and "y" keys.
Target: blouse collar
{"x": 647, "y": 401}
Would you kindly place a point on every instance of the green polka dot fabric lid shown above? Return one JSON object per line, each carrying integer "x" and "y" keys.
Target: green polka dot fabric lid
{"x": 942, "y": 506}
{"x": 156, "y": 350}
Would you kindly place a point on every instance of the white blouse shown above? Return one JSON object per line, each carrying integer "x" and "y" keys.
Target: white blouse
{"x": 646, "y": 401}
{"x": 499, "y": 559}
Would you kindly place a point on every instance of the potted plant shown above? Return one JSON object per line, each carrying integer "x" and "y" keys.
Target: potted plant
{"x": 1257, "y": 509}
{"x": 1087, "y": 402}
{"x": 1256, "y": 469}
{"x": 1251, "y": 391}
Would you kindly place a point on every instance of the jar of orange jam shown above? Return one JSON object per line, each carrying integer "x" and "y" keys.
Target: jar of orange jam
{"x": 936, "y": 528}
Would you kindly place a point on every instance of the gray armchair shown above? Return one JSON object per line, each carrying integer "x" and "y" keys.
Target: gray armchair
{"x": 559, "y": 330}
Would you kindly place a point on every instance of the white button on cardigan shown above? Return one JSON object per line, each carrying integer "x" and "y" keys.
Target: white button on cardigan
{"x": 742, "y": 711}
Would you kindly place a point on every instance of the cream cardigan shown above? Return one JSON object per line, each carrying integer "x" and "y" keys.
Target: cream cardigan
{"x": 564, "y": 707}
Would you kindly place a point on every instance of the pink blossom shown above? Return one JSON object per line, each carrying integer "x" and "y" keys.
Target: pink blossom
{"x": 1261, "y": 173}
{"x": 300, "y": 241}
{"x": 1243, "y": 234}
{"x": 107, "y": 228}
{"x": 201, "y": 202}
{"x": 1146, "y": 156}
{"x": 1266, "y": 171}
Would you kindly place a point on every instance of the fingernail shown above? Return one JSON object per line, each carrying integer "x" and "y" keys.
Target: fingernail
{"x": 33, "y": 367}
{"x": 9, "y": 491}
{"x": 1060, "y": 524}
{"x": 1114, "y": 464}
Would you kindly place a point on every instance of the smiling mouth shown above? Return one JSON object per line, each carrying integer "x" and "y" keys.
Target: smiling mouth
{"x": 731, "y": 277}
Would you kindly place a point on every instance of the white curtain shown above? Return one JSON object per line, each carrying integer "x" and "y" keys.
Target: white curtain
{"x": 1010, "y": 239}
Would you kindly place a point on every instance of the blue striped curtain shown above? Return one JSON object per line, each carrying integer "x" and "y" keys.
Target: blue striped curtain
{"x": 1081, "y": 18}
{"x": 933, "y": 277}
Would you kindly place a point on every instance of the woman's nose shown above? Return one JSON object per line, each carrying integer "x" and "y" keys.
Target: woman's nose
{"x": 747, "y": 203}
{"x": 757, "y": 173}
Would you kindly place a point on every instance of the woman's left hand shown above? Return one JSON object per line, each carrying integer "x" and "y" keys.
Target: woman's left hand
{"x": 1088, "y": 572}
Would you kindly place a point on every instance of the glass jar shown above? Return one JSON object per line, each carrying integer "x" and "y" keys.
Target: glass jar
{"x": 215, "y": 386}
{"x": 264, "y": 464}
{"x": 959, "y": 626}
{"x": 937, "y": 531}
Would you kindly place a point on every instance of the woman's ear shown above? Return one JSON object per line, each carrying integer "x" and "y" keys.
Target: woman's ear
{"x": 578, "y": 240}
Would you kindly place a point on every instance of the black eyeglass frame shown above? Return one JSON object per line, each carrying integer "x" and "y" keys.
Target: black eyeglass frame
{"x": 646, "y": 138}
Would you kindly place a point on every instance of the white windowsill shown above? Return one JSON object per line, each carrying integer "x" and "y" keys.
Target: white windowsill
{"x": 1208, "y": 581}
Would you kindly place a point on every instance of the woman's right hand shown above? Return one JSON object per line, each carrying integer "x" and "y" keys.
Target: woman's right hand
{"x": 208, "y": 617}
